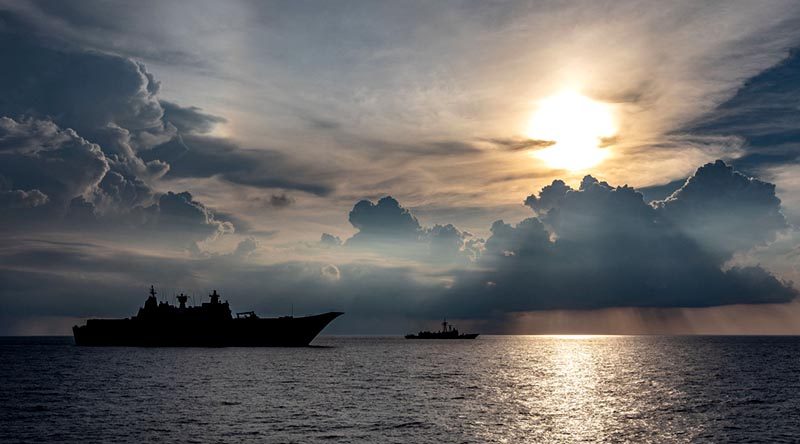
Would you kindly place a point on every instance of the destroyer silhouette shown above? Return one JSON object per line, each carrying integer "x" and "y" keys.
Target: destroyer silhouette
{"x": 209, "y": 325}
{"x": 448, "y": 332}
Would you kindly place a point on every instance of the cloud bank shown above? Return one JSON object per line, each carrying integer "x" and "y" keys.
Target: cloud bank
{"x": 604, "y": 246}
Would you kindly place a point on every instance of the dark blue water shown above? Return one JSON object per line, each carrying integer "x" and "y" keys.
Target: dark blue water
{"x": 366, "y": 389}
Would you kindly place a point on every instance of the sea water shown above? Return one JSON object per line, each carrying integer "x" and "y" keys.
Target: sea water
{"x": 375, "y": 389}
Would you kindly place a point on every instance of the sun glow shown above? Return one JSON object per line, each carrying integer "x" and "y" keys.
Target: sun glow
{"x": 577, "y": 125}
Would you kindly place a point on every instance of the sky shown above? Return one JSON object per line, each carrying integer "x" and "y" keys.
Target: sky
{"x": 626, "y": 167}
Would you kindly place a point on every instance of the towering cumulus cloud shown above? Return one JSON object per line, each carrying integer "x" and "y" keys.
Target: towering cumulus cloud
{"x": 604, "y": 246}
{"x": 393, "y": 230}
{"x": 725, "y": 211}
{"x": 384, "y": 221}
{"x": 73, "y": 126}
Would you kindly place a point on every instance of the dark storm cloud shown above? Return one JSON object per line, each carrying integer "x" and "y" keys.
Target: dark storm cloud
{"x": 604, "y": 246}
{"x": 22, "y": 199}
{"x": 104, "y": 103}
{"x": 105, "y": 98}
{"x": 51, "y": 177}
{"x": 84, "y": 135}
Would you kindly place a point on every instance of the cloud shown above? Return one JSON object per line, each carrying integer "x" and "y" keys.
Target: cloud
{"x": 53, "y": 178}
{"x": 595, "y": 247}
{"x": 107, "y": 99}
{"x": 246, "y": 247}
{"x": 38, "y": 155}
{"x": 381, "y": 222}
{"x": 281, "y": 200}
{"x": 87, "y": 143}
{"x": 330, "y": 240}
{"x": 390, "y": 228}
{"x": 22, "y": 199}
{"x": 548, "y": 197}
{"x": 195, "y": 156}
{"x": 724, "y": 210}
{"x": 189, "y": 119}
{"x": 180, "y": 215}
{"x": 604, "y": 246}
{"x": 764, "y": 112}
{"x": 520, "y": 144}
{"x": 448, "y": 243}
{"x": 331, "y": 272}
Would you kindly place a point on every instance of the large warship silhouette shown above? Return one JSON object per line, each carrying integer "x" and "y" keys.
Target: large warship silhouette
{"x": 209, "y": 325}
{"x": 448, "y": 332}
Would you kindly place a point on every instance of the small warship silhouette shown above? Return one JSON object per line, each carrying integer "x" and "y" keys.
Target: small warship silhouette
{"x": 448, "y": 332}
{"x": 209, "y": 325}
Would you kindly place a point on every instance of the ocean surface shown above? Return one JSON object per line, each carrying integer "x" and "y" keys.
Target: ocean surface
{"x": 371, "y": 389}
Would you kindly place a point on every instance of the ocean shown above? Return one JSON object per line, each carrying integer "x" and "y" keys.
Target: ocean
{"x": 495, "y": 389}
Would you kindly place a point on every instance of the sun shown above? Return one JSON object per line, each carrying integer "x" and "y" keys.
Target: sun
{"x": 577, "y": 125}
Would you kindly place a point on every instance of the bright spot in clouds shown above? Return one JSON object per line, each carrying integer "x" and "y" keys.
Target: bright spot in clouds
{"x": 577, "y": 125}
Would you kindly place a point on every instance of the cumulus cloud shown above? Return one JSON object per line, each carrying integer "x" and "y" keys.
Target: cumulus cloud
{"x": 383, "y": 221}
{"x": 107, "y": 99}
{"x": 38, "y": 155}
{"x": 448, "y": 243}
{"x": 604, "y": 246}
{"x": 53, "y": 177}
{"x": 548, "y": 197}
{"x": 73, "y": 125}
{"x": 22, "y": 198}
{"x": 87, "y": 133}
{"x": 724, "y": 210}
{"x": 390, "y": 228}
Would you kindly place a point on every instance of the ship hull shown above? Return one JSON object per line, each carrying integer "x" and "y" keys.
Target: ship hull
{"x": 246, "y": 332}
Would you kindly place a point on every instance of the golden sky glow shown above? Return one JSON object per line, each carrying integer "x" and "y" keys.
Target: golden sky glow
{"x": 577, "y": 125}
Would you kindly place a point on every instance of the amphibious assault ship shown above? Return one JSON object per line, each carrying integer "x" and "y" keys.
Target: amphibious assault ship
{"x": 448, "y": 332}
{"x": 160, "y": 324}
